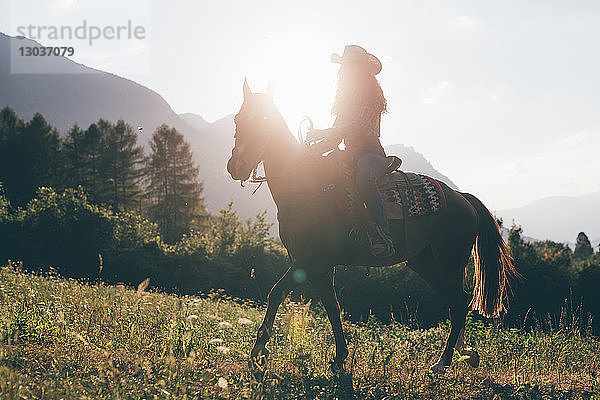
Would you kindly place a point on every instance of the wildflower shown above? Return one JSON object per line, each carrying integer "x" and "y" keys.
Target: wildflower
{"x": 215, "y": 341}
{"x": 143, "y": 285}
{"x": 244, "y": 321}
{"x": 192, "y": 317}
{"x": 223, "y": 349}
{"x": 224, "y": 325}
{"x": 222, "y": 383}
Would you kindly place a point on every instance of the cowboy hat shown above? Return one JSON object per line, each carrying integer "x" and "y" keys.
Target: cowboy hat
{"x": 353, "y": 53}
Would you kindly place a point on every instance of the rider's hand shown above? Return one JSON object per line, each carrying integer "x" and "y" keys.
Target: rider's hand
{"x": 315, "y": 134}
{"x": 322, "y": 147}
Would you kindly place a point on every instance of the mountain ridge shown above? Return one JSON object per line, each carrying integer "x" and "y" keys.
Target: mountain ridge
{"x": 558, "y": 218}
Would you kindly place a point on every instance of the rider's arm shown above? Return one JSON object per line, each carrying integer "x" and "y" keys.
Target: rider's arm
{"x": 355, "y": 121}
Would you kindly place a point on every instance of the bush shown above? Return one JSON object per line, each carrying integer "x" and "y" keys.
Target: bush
{"x": 63, "y": 231}
{"x": 66, "y": 233}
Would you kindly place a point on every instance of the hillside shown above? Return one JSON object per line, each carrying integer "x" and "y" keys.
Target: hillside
{"x": 80, "y": 95}
{"x": 62, "y": 339}
{"x": 559, "y": 218}
{"x": 195, "y": 120}
{"x": 416, "y": 162}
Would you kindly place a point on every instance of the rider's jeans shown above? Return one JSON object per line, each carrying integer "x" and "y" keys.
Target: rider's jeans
{"x": 370, "y": 167}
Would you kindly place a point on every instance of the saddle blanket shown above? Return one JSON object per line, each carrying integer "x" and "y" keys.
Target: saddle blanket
{"x": 423, "y": 193}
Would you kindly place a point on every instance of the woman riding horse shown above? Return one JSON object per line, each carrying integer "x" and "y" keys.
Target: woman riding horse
{"x": 359, "y": 104}
{"x": 315, "y": 231}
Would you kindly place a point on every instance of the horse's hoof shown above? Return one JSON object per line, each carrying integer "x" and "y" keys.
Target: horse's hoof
{"x": 472, "y": 359}
{"x": 439, "y": 368}
{"x": 258, "y": 360}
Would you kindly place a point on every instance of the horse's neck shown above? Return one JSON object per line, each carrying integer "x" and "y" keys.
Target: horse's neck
{"x": 282, "y": 165}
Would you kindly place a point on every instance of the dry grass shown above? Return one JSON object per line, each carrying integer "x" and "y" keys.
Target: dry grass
{"x": 62, "y": 339}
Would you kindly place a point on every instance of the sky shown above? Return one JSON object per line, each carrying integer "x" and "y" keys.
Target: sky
{"x": 501, "y": 96}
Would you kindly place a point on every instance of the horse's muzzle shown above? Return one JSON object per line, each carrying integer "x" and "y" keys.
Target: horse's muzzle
{"x": 238, "y": 169}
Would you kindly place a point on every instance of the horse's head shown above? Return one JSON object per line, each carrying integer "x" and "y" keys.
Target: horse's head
{"x": 254, "y": 126}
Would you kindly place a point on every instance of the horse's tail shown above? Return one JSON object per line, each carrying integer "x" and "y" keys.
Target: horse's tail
{"x": 494, "y": 267}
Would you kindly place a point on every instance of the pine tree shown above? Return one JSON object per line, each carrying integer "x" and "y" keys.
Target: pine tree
{"x": 583, "y": 247}
{"x": 172, "y": 184}
{"x": 121, "y": 162}
{"x": 10, "y": 128}
{"x": 106, "y": 160}
{"x": 74, "y": 151}
{"x": 29, "y": 156}
{"x": 93, "y": 147}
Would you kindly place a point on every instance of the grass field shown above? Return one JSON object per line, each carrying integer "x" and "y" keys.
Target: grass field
{"x": 63, "y": 339}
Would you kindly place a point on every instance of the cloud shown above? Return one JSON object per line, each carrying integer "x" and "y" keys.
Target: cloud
{"x": 567, "y": 166}
{"x": 64, "y": 4}
{"x": 582, "y": 137}
{"x": 465, "y": 22}
{"x": 434, "y": 94}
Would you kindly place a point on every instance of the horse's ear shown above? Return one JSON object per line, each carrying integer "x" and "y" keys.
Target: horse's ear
{"x": 247, "y": 91}
{"x": 271, "y": 88}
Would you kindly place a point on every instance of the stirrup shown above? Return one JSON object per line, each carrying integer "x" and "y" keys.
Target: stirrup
{"x": 381, "y": 245}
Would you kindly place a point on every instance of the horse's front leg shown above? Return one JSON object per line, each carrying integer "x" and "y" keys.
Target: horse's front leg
{"x": 280, "y": 290}
{"x": 324, "y": 284}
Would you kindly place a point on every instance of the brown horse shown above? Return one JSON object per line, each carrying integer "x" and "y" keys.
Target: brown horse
{"x": 315, "y": 233}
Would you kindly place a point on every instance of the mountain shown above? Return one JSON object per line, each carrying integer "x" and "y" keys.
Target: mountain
{"x": 416, "y": 162}
{"x": 195, "y": 120}
{"x": 558, "y": 218}
{"x": 82, "y": 95}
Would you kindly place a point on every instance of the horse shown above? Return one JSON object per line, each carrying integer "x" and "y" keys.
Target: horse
{"x": 314, "y": 231}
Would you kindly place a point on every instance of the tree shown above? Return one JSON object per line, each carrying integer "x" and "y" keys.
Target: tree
{"x": 106, "y": 160}
{"x": 10, "y": 127}
{"x": 29, "y": 156}
{"x": 73, "y": 148}
{"x": 121, "y": 161}
{"x": 172, "y": 184}
{"x": 4, "y": 205}
{"x": 224, "y": 231}
{"x": 583, "y": 247}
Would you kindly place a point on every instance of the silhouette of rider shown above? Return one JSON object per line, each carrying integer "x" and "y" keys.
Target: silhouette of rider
{"x": 359, "y": 104}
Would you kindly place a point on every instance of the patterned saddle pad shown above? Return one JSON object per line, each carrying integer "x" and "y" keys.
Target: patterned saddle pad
{"x": 423, "y": 193}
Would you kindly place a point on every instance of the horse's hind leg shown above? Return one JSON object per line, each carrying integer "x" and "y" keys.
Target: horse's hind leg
{"x": 455, "y": 341}
{"x": 445, "y": 277}
{"x": 324, "y": 285}
{"x": 458, "y": 313}
{"x": 279, "y": 292}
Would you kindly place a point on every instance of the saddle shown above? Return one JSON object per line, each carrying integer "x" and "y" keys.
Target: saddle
{"x": 405, "y": 194}
{"x": 394, "y": 164}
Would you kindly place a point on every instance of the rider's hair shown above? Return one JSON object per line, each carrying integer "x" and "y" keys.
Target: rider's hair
{"x": 353, "y": 81}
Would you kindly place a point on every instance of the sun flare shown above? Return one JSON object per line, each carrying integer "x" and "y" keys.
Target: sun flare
{"x": 302, "y": 74}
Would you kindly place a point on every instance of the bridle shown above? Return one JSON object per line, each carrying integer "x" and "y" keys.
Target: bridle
{"x": 254, "y": 177}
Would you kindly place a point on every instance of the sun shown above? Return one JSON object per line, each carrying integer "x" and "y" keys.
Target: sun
{"x": 303, "y": 76}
